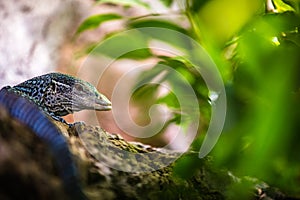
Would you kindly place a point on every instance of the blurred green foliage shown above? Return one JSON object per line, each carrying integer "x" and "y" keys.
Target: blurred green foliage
{"x": 257, "y": 51}
{"x": 95, "y": 21}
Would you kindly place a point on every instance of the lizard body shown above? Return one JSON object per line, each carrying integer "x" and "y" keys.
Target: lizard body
{"x": 55, "y": 95}
{"x": 29, "y": 114}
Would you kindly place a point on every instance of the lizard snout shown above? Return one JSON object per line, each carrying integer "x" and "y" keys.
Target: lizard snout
{"x": 102, "y": 103}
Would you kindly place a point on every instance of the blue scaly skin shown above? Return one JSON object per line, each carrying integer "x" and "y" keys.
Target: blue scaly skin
{"x": 29, "y": 114}
{"x": 59, "y": 95}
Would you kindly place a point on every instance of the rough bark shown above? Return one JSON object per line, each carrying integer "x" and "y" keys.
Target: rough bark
{"x": 27, "y": 169}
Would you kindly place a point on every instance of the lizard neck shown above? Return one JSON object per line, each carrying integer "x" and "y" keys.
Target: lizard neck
{"x": 34, "y": 88}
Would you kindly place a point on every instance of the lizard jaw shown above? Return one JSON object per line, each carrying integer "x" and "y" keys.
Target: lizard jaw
{"x": 102, "y": 107}
{"x": 102, "y": 104}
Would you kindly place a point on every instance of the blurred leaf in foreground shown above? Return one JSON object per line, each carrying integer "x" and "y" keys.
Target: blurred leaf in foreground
{"x": 117, "y": 46}
{"x": 95, "y": 21}
{"x": 263, "y": 141}
{"x": 126, "y": 2}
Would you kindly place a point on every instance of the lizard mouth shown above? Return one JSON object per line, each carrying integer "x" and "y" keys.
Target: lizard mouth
{"x": 102, "y": 104}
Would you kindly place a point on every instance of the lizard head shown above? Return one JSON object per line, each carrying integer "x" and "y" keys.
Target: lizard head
{"x": 60, "y": 94}
{"x": 72, "y": 94}
{"x": 86, "y": 96}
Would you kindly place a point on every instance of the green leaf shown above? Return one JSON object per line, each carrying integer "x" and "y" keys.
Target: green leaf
{"x": 219, "y": 20}
{"x": 181, "y": 66}
{"x": 293, "y": 3}
{"x": 145, "y": 92}
{"x": 165, "y": 31}
{"x": 130, "y": 44}
{"x": 156, "y": 23}
{"x": 283, "y": 6}
{"x": 95, "y": 21}
{"x": 149, "y": 75}
{"x": 170, "y": 100}
{"x": 167, "y": 2}
{"x": 126, "y": 2}
{"x": 196, "y": 5}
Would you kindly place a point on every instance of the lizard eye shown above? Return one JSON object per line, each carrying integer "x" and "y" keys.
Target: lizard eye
{"x": 78, "y": 87}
